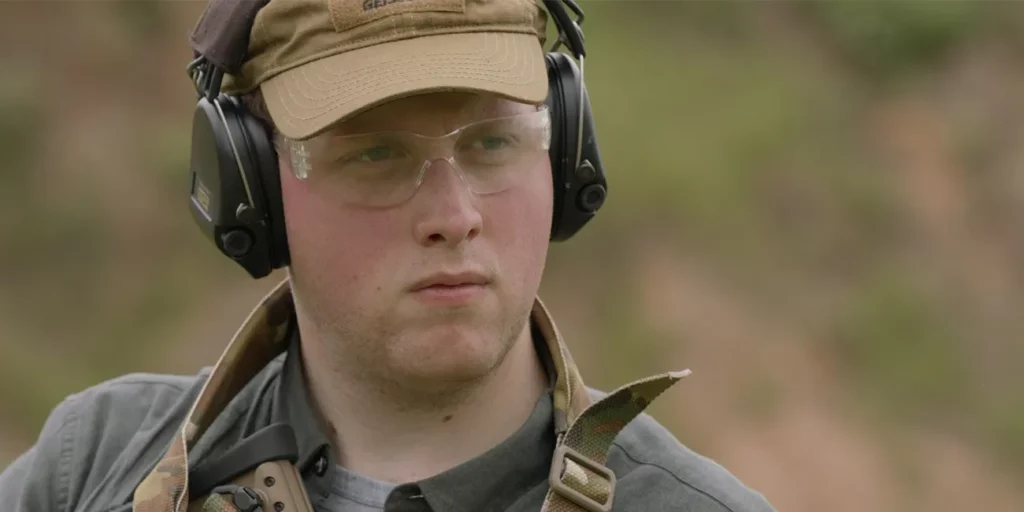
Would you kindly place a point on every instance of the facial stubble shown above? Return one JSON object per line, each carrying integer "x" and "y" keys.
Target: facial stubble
{"x": 361, "y": 347}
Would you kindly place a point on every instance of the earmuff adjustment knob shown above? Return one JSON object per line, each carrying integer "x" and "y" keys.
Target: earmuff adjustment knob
{"x": 591, "y": 197}
{"x": 586, "y": 172}
{"x": 236, "y": 243}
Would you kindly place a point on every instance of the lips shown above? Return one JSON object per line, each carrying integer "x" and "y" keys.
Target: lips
{"x": 451, "y": 280}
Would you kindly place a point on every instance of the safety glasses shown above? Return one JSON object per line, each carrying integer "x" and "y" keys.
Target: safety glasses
{"x": 385, "y": 168}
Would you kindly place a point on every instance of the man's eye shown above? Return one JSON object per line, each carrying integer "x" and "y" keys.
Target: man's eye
{"x": 492, "y": 142}
{"x": 375, "y": 154}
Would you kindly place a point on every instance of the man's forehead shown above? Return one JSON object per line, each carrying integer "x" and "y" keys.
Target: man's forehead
{"x": 430, "y": 111}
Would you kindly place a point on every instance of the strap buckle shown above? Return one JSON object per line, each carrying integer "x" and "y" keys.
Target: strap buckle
{"x": 243, "y": 498}
{"x": 558, "y": 465}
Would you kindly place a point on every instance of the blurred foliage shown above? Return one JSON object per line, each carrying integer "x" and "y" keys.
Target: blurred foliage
{"x": 898, "y": 38}
{"x": 1004, "y": 426}
{"x": 751, "y": 141}
{"x": 21, "y": 130}
{"x": 901, "y": 349}
{"x": 145, "y": 21}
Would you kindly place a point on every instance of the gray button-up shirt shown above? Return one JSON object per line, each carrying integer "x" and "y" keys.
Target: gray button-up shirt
{"x": 99, "y": 444}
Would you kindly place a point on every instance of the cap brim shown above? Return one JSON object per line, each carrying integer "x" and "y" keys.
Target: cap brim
{"x": 306, "y": 100}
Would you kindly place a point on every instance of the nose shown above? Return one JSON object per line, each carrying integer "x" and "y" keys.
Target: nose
{"x": 447, "y": 210}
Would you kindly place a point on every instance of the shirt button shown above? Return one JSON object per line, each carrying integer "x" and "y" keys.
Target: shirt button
{"x": 321, "y": 465}
{"x": 406, "y": 498}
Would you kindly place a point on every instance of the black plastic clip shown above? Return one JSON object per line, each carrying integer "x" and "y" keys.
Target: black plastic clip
{"x": 244, "y": 498}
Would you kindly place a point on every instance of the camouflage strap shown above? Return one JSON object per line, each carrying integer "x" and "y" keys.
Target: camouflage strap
{"x": 256, "y": 343}
{"x": 167, "y": 485}
{"x": 218, "y": 503}
{"x": 579, "y": 479}
{"x": 232, "y": 499}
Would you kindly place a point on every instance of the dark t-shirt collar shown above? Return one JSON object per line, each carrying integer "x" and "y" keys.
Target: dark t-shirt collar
{"x": 494, "y": 479}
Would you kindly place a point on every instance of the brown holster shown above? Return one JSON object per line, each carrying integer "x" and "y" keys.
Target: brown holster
{"x": 259, "y": 474}
{"x": 274, "y": 485}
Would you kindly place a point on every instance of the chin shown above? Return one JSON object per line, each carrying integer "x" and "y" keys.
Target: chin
{"x": 449, "y": 353}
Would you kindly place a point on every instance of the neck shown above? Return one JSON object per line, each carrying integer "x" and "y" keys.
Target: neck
{"x": 387, "y": 434}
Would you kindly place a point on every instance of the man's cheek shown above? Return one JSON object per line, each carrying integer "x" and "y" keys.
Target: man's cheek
{"x": 357, "y": 263}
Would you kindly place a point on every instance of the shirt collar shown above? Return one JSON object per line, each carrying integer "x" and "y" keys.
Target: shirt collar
{"x": 292, "y": 406}
{"x": 503, "y": 473}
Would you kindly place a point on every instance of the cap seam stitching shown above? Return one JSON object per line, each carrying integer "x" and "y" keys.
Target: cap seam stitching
{"x": 365, "y": 43}
{"x": 362, "y": 76}
{"x": 346, "y": 98}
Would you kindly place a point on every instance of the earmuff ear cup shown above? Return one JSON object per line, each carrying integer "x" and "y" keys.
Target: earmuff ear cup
{"x": 213, "y": 188}
{"x": 580, "y": 190}
{"x": 230, "y": 157}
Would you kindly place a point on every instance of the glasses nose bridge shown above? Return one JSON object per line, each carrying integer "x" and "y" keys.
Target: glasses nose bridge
{"x": 437, "y": 147}
{"x": 429, "y": 162}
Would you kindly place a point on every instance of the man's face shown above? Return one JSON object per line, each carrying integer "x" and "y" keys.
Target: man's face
{"x": 355, "y": 267}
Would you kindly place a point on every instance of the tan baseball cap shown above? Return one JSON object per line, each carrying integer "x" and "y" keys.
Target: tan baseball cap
{"x": 320, "y": 61}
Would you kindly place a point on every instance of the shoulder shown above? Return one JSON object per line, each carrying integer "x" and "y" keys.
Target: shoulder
{"x": 117, "y": 421}
{"x": 115, "y": 410}
{"x": 135, "y": 401}
{"x": 141, "y": 397}
{"x": 95, "y": 434}
{"x": 652, "y": 465}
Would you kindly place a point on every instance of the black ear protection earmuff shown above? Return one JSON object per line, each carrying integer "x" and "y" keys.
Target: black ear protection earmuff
{"x": 578, "y": 176}
{"x": 235, "y": 195}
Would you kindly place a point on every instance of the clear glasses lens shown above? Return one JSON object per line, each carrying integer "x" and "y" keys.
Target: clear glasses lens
{"x": 386, "y": 168}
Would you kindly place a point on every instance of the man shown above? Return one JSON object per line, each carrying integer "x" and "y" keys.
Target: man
{"x": 406, "y": 359}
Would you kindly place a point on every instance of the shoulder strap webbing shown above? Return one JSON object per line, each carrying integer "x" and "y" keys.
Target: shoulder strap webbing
{"x": 261, "y": 338}
{"x": 579, "y": 479}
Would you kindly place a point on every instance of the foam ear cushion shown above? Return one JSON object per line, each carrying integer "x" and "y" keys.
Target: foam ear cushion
{"x": 266, "y": 175}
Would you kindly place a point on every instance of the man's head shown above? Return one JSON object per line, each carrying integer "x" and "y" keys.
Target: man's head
{"x": 376, "y": 272}
{"x": 409, "y": 165}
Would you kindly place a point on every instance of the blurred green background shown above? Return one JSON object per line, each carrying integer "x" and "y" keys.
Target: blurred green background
{"x": 814, "y": 206}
